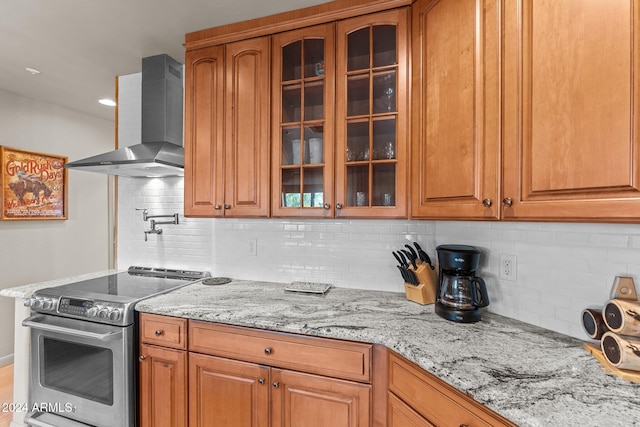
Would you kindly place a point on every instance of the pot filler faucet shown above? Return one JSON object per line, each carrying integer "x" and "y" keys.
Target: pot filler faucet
{"x": 154, "y": 223}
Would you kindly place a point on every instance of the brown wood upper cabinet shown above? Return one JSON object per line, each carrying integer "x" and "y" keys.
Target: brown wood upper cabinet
{"x": 303, "y": 122}
{"x": 571, "y": 110}
{"x": 227, "y": 99}
{"x": 301, "y": 114}
{"x": 533, "y": 124}
{"x": 362, "y": 172}
{"x": 456, "y": 101}
{"x": 372, "y": 115}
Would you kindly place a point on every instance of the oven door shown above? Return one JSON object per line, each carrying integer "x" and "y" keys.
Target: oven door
{"x": 82, "y": 370}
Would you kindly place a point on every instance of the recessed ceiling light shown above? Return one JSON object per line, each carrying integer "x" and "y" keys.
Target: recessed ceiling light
{"x": 33, "y": 71}
{"x": 107, "y": 102}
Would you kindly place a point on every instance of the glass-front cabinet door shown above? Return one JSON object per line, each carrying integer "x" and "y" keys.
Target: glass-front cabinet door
{"x": 372, "y": 116}
{"x": 303, "y": 122}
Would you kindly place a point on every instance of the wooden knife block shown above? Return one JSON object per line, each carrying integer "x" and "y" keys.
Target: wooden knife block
{"x": 425, "y": 292}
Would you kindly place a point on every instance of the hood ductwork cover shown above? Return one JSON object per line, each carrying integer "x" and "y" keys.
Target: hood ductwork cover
{"x": 161, "y": 153}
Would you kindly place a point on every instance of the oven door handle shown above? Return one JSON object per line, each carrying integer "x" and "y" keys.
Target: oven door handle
{"x": 38, "y": 322}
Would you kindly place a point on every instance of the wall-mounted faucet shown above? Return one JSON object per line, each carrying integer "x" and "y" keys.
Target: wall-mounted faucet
{"x": 154, "y": 230}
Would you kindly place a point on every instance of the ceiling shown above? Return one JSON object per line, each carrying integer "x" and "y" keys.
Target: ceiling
{"x": 80, "y": 46}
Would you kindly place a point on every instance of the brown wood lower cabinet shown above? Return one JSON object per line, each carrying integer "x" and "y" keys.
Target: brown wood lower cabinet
{"x": 231, "y": 393}
{"x": 242, "y": 381}
{"x": 226, "y": 393}
{"x": 429, "y": 401}
{"x": 245, "y": 377}
{"x": 163, "y": 387}
{"x": 401, "y": 414}
{"x": 299, "y": 399}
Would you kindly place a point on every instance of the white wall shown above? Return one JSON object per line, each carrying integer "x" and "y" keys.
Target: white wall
{"x": 33, "y": 251}
{"x": 561, "y": 268}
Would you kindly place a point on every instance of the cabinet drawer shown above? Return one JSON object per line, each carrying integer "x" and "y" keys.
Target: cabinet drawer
{"x": 334, "y": 358}
{"x": 164, "y": 331}
{"x": 401, "y": 415}
{"x": 438, "y": 402}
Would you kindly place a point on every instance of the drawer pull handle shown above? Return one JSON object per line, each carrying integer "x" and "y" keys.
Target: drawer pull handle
{"x": 261, "y": 380}
{"x": 276, "y": 384}
{"x": 267, "y": 350}
{"x": 141, "y": 358}
{"x": 159, "y": 332}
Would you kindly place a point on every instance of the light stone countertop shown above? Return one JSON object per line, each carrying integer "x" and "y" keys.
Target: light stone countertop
{"x": 529, "y": 375}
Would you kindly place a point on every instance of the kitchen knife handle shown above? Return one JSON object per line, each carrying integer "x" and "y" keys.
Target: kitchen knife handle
{"x": 398, "y": 258}
{"x": 405, "y": 263}
{"x": 414, "y": 254}
{"x": 410, "y": 257}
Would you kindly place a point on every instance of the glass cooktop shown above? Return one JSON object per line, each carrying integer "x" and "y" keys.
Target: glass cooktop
{"x": 135, "y": 284}
{"x": 121, "y": 285}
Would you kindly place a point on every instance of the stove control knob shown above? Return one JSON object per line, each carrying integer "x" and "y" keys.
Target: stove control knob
{"x": 47, "y": 304}
{"x": 103, "y": 313}
{"x": 28, "y": 302}
{"x": 92, "y": 312}
{"x": 114, "y": 315}
{"x": 36, "y": 303}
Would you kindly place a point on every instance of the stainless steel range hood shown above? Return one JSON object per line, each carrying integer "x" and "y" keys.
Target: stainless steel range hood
{"x": 161, "y": 153}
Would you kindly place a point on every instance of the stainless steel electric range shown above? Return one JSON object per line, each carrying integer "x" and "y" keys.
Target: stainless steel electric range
{"x": 83, "y": 337}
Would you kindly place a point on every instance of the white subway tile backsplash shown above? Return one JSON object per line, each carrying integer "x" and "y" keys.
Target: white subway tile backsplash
{"x": 561, "y": 268}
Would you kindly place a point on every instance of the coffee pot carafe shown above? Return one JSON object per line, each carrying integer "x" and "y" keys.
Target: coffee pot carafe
{"x": 460, "y": 293}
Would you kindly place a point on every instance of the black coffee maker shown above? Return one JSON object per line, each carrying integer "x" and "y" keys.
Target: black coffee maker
{"x": 460, "y": 293}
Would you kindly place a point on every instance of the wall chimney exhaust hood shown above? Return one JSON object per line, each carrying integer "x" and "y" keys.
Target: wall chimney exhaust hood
{"x": 161, "y": 153}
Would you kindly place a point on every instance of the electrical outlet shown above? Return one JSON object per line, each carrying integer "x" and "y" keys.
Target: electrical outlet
{"x": 508, "y": 267}
{"x": 253, "y": 247}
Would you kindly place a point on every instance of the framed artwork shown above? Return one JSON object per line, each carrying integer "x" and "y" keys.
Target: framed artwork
{"x": 32, "y": 185}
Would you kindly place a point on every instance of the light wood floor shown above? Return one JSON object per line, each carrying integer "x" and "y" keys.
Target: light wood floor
{"x": 6, "y": 393}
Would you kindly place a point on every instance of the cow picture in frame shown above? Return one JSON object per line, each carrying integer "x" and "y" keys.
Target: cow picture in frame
{"x": 32, "y": 185}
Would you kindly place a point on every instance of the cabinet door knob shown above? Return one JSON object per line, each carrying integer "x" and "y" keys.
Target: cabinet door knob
{"x": 261, "y": 380}
{"x": 507, "y": 201}
{"x": 159, "y": 332}
{"x": 227, "y": 206}
{"x": 487, "y": 203}
{"x": 464, "y": 425}
{"x": 141, "y": 358}
{"x": 276, "y": 384}
{"x": 267, "y": 350}
{"x": 216, "y": 207}
{"x": 338, "y": 205}
{"x": 327, "y": 206}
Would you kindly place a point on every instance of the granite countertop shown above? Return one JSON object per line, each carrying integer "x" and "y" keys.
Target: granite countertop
{"x": 529, "y": 375}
